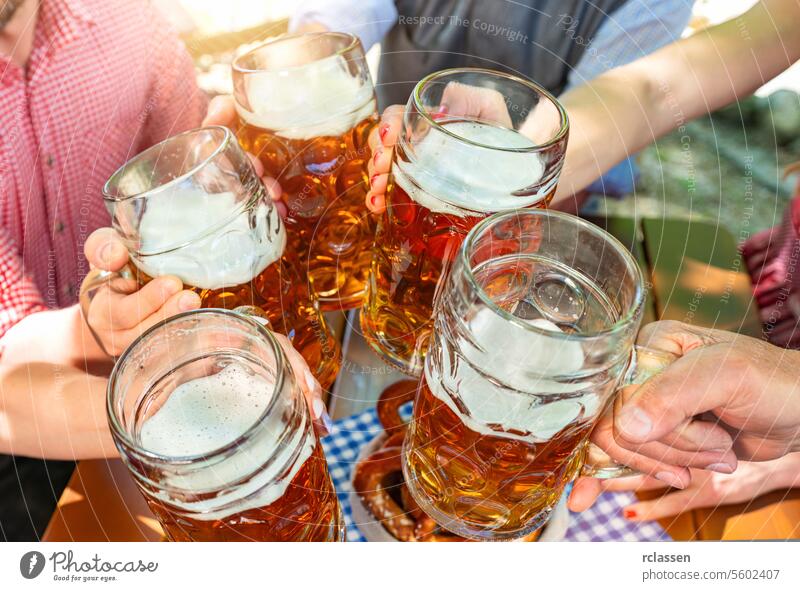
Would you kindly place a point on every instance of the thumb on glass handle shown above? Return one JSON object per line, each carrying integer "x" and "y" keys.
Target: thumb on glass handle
{"x": 645, "y": 363}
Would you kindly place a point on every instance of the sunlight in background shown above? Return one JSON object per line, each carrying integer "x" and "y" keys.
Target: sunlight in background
{"x": 712, "y": 12}
{"x": 214, "y": 17}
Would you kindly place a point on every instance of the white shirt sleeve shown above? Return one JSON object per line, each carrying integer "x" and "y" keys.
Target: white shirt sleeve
{"x": 369, "y": 20}
{"x": 634, "y": 30}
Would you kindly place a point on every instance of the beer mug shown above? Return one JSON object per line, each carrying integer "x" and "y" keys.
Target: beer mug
{"x": 193, "y": 206}
{"x": 533, "y": 336}
{"x": 449, "y": 171}
{"x": 305, "y": 106}
{"x": 207, "y": 416}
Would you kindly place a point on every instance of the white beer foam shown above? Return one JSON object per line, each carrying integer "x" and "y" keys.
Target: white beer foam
{"x": 450, "y": 176}
{"x": 230, "y": 255}
{"x": 319, "y": 99}
{"x": 208, "y": 413}
{"x": 528, "y": 365}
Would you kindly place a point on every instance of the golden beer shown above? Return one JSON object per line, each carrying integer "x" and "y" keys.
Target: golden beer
{"x": 205, "y": 218}
{"x": 207, "y": 415}
{"x": 279, "y": 292}
{"x": 449, "y": 171}
{"x": 305, "y": 107}
{"x": 507, "y": 486}
{"x": 419, "y": 233}
{"x": 533, "y": 335}
{"x": 295, "y": 516}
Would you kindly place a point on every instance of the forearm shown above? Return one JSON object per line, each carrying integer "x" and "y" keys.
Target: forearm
{"x": 53, "y": 412}
{"x": 628, "y": 108}
{"x": 608, "y": 118}
{"x": 786, "y": 472}
{"x": 60, "y": 337}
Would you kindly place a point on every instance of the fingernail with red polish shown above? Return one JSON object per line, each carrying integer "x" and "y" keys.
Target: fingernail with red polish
{"x": 372, "y": 179}
{"x": 629, "y": 513}
{"x": 440, "y": 112}
{"x": 383, "y": 130}
{"x": 373, "y": 200}
{"x": 375, "y": 157}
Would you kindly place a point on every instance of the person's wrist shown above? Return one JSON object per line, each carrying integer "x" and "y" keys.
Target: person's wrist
{"x": 787, "y": 473}
{"x": 793, "y": 402}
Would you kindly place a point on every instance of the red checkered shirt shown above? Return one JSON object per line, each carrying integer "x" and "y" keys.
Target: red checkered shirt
{"x": 104, "y": 81}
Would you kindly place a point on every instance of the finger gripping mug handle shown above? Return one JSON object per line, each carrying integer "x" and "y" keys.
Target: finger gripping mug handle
{"x": 645, "y": 363}
{"x": 94, "y": 281}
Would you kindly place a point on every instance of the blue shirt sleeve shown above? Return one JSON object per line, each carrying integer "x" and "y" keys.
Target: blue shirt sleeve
{"x": 634, "y": 30}
{"x": 369, "y": 20}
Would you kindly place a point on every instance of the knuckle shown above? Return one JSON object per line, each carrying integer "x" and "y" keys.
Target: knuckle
{"x": 736, "y": 361}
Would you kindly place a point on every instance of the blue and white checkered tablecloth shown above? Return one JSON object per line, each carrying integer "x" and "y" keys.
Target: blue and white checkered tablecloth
{"x": 603, "y": 522}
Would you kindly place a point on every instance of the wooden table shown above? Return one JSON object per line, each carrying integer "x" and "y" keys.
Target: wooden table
{"x": 695, "y": 276}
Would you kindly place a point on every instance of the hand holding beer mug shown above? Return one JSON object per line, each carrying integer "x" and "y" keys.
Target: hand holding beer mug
{"x": 193, "y": 207}
{"x": 206, "y": 413}
{"x": 305, "y": 105}
{"x": 534, "y": 334}
{"x": 449, "y": 171}
{"x": 458, "y": 100}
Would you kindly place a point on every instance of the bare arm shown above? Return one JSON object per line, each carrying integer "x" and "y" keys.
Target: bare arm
{"x": 54, "y": 412}
{"x": 626, "y": 109}
{"x": 53, "y": 336}
{"x": 30, "y": 332}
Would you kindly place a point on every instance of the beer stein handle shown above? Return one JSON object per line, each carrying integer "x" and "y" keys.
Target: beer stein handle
{"x": 645, "y": 363}
{"x": 91, "y": 284}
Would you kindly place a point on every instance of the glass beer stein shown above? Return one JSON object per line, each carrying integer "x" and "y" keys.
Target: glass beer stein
{"x": 449, "y": 171}
{"x": 193, "y": 206}
{"x": 534, "y": 334}
{"x": 208, "y": 418}
{"x": 305, "y": 107}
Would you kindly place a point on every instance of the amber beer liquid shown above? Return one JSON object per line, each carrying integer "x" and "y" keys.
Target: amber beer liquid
{"x": 306, "y": 521}
{"x": 506, "y": 485}
{"x": 301, "y": 506}
{"x": 435, "y": 196}
{"x": 209, "y": 419}
{"x": 533, "y": 335}
{"x": 192, "y": 206}
{"x": 496, "y": 434}
{"x": 240, "y": 261}
{"x": 308, "y": 124}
